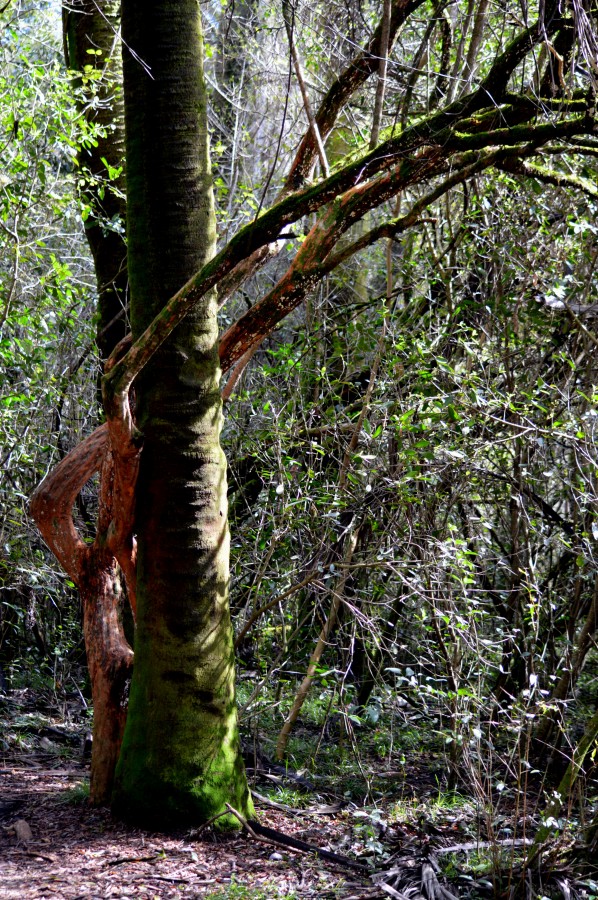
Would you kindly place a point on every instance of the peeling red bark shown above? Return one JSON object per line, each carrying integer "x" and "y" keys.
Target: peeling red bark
{"x": 110, "y": 663}
{"x": 51, "y": 504}
{"x": 96, "y": 570}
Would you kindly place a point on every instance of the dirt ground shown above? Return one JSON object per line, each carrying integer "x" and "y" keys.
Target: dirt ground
{"x": 75, "y": 851}
{"x": 53, "y": 844}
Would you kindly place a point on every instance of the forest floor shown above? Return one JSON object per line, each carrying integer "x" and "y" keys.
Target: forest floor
{"x": 71, "y": 850}
{"x": 53, "y": 844}
{"x": 405, "y": 838}
{"x": 75, "y": 851}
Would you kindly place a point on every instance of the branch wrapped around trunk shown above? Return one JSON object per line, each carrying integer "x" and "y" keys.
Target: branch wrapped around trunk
{"x": 95, "y": 571}
{"x": 51, "y": 504}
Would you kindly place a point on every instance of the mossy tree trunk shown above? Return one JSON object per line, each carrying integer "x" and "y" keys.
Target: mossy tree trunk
{"x": 180, "y": 760}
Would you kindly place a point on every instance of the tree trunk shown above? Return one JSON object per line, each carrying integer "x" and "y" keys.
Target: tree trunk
{"x": 91, "y": 39}
{"x": 92, "y": 47}
{"x": 180, "y": 759}
{"x": 110, "y": 663}
{"x": 95, "y": 571}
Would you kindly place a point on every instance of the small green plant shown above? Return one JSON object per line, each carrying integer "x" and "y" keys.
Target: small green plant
{"x": 369, "y": 825}
{"x": 76, "y": 794}
{"x": 444, "y": 809}
{"x": 237, "y": 891}
{"x": 486, "y": 861}
{"x": 288, "y": 796}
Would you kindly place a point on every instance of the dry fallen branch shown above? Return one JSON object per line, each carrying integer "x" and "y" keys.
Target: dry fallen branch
{"x": 284, "y": 841}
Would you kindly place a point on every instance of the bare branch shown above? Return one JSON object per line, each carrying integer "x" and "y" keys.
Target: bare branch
{"x": 52, "y": 502}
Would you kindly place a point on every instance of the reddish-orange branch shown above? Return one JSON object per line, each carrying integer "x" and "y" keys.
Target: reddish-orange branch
{"x": 52, "y": 502}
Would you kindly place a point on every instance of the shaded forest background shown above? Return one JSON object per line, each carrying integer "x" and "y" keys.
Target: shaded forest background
{"x": 412, "y": 459}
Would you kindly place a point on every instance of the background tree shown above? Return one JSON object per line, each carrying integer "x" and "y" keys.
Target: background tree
{"x": 92, "y": 52}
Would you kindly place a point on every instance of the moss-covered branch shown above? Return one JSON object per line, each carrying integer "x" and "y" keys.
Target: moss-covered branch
{"x": 315, "y": 258}
{"x": 550, "y": 176}
{"x": 438, "y": 133}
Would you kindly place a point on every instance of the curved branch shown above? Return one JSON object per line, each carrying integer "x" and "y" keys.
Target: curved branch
{"x": 439, "y": 133}
{"x": 52, "y": 502}
{"x": 315, "y": 258}
{"x": 550, "y": 176}
{"x": 358, "y": 71}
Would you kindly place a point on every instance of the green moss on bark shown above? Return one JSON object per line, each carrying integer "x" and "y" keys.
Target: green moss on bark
{"x": 180, "y": 761}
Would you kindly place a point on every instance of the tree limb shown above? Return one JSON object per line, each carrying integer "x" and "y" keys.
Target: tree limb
{"x": 51, "y": 504}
